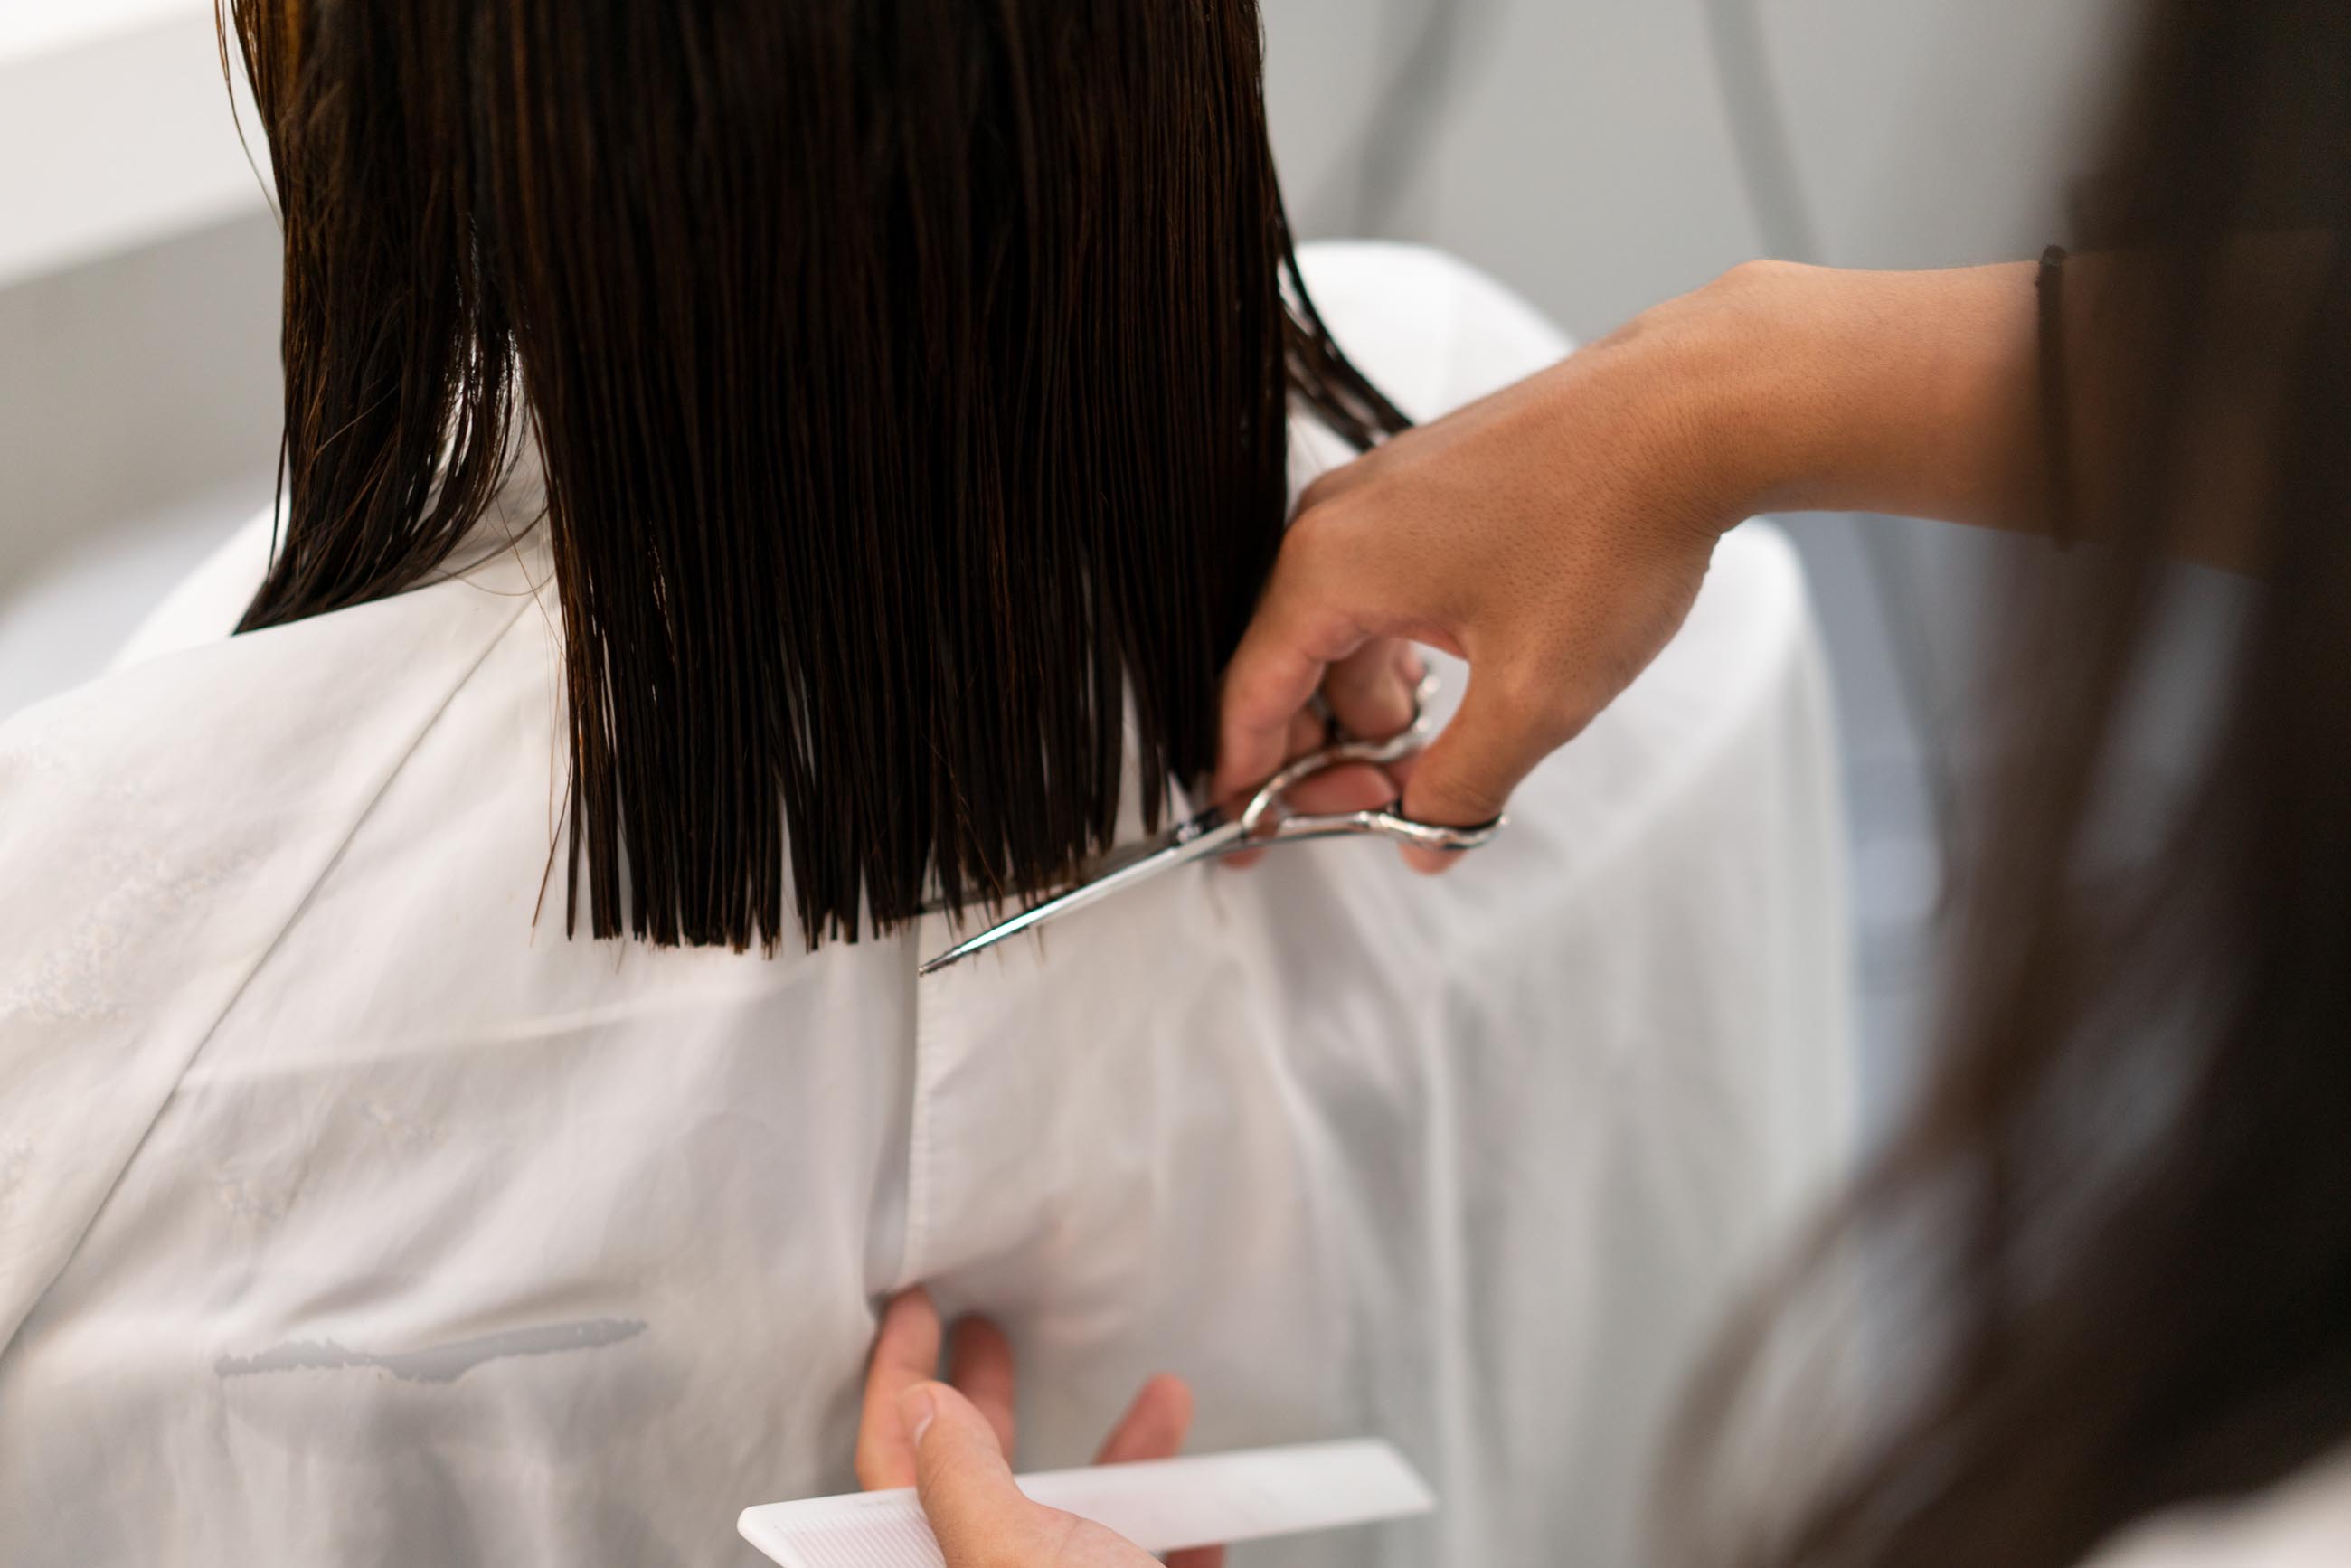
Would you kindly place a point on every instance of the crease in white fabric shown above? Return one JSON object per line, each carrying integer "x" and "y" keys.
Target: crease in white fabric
{"x": 435, "y": 1363}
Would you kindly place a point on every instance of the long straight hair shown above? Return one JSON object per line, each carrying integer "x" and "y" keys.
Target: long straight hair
{"x": 2105, "y": 1266}
{"x": 911, "y": 382}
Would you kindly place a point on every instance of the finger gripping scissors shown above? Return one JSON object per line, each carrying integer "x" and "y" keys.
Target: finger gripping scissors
{"x": 1264, "y": 820}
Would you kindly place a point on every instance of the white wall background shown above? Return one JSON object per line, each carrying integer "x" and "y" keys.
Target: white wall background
{"x": 138, "y": 324}
{"x": 1596, "y": 154}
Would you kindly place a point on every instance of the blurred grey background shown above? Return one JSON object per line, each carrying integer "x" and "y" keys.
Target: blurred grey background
{"x": 1596, "y": 155}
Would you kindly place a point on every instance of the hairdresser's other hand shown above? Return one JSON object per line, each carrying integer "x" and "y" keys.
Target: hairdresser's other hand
{"x": 953, "y": 1442}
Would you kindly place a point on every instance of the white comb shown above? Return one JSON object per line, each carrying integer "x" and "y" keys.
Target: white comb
{"x": 1161, "y": 1505}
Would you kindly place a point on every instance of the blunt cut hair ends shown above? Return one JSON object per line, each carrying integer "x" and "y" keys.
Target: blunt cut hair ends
{"x": 911, "y": 379}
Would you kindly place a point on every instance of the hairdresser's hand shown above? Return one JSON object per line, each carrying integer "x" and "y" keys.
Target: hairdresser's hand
{"x": 953, "y": 1442}
{"x": 1555, "y": 534}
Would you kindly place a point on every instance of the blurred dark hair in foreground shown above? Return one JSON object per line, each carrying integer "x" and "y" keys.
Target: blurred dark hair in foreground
{"x": 2105, "y": 1265}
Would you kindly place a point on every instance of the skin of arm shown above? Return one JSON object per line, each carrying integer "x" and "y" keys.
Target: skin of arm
{"x": 1909, "y": 392}
{"x": 1919, "y": 393}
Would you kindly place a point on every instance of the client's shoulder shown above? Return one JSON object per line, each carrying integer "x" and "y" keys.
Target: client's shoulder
{"x": 1428, "y": 328}
{"x": 205, "y": 605}
{"x": 207, "y": 786}
{"x": 189, "y": 702}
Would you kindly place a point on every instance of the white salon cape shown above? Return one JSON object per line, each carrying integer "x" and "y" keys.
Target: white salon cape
{"x": 351, "y": 1214}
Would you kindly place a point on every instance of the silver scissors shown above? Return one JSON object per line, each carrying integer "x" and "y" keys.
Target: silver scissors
{"x": 1264, "y": 820}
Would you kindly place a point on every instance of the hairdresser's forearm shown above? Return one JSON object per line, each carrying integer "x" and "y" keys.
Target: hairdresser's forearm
{"x": 1909, "y": 392}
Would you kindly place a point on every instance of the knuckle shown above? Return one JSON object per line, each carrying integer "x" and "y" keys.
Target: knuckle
{"x": 1319, "y": 491}
{"x": 1305, "y": 554}
{"x": 1760, "y": 274}
{"x": 1317, "y": 533}
{"x": 1378, "y": 707}
{"x": 1355, "y": 679}
{"x": 1260, "y": 698}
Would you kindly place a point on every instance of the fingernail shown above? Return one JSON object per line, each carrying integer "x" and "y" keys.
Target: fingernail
{"x": 915, "y": 1408}
{"x": 1415, "y": 667}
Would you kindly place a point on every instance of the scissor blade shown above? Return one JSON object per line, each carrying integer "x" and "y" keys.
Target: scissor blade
{"x": 1202, "y": 838}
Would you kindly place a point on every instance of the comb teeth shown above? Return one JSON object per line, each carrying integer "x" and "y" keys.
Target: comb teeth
{"x": 900, "y": 1538}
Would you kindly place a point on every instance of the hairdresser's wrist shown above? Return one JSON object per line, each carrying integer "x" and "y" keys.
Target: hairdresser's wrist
{"x": 1885, "y": 392}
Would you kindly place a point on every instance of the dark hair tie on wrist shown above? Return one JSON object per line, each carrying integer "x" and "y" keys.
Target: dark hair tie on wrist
{"x": 2056, "y": 435}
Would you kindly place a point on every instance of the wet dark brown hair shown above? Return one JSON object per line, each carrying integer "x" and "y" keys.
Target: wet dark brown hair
{"x": 911, "y": 379}
{"x": 2105, "y": 1266}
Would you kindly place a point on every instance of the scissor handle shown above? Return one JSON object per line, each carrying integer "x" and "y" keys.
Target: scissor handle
{"x": 1387, "y": 822}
